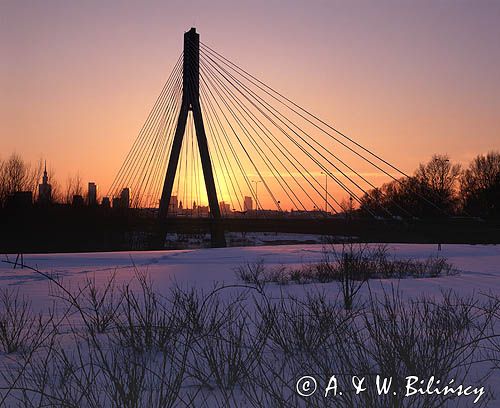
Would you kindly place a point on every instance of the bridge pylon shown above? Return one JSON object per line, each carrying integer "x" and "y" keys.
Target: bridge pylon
{"x": 191, "y": 102}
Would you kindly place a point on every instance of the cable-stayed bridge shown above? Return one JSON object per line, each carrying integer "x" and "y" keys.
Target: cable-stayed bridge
{"x": 219, "y": 141}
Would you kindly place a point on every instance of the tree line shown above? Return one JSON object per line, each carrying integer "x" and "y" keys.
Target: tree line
{"x": 441, "y": 188}
{"x": 436, "y": 188}
{"x": 17, "y": 174}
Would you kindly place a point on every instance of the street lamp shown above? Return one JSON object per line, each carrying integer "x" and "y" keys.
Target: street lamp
{"x": 326, "y": 192}
{"x": 256, "y": 196}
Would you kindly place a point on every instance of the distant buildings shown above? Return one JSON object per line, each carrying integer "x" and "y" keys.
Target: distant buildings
{"x": 45, "y": 189}
{"x": 247, "y": 203}
{"x": 123, "y": 201}
{"x": 92, "y": 194}
{"x": 174, "y": 205}
{"x": 73, "y": 198}
{"x": 125, "y": 198}
{"x": 201, "y": 210}
{"x": 116, "y": 202}
{"x": 225, "y": 208}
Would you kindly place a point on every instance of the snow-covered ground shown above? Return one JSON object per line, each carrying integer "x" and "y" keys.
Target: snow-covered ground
{"x": 478, "y": 265}
{"x": 239, "y": 239}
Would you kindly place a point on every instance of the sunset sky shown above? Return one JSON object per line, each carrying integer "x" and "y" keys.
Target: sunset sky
{"x": 406, "y": 78}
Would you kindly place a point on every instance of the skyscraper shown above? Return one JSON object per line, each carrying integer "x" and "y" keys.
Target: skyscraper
{"x": 225, "y": 208}
{"x": 125, "y": 198}
{"x": 92, "y": 194}
{"x": 116, "y": 202}
{"x": 247, "y": 204}
{"x": 174, "y": 205}
{"x": 45, "y": 189}
{"x": 106, "y": 202}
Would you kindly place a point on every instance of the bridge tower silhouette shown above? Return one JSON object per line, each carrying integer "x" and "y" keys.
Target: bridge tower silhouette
{"x": 191, "y": 102}
{"x": 215, "y": 124}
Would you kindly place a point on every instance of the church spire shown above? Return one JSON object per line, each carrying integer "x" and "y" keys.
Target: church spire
{"x": 45, "y": 179}
{"x": 45, "y": 189}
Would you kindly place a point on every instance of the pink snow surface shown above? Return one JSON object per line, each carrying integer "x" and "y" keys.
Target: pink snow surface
{"x": 479, "y": 267}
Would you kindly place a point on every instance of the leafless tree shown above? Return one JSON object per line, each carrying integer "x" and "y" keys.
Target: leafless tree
{"x": 2, "y": 187}
{"x": 57, "y": 190}
{"x": 433, "y": 190}
{"x": 73, "y": 187}
{"x": 348, "y": 206}
{"x": 18, "y": 175}
{"x": 440, "y": 175}
{"x": 480, "y": 185}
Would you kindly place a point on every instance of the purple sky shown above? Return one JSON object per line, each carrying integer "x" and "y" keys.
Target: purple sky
{"x": 407, "y": 78}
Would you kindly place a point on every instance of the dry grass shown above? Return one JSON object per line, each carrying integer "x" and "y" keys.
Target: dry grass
{"x": 188, "y": 348}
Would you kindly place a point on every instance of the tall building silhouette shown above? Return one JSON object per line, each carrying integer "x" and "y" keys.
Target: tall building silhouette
{"x": 225, "y": 208}
{"x": 247, "y": 204}
{"x": 92, "y": 194}
{"x": 45, "y": 189}
{"x": 125, "y": 198}
{"x": 116, "y": 202}
{"x": 78, "y": 200}
{"x": 106, "y": 203}
{"x": 173, "y": 205}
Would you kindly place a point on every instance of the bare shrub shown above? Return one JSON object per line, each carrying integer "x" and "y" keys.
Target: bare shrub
{"x": 139, "y": 361}
{"x": 18, "y": 326}
{"x": 101, "y": 304}
{"x": 252, "y": 273}
{"x": 302, "y": 274}
{"x": 296, "y": 326}
{"x": 350, "y": 266}
{"x": 434, "y": 267}
{"x": 272, "y": 384}
{"x": 99, "y": 372}
{"x": 196, "y": 349}
{"x": 278, "y": 274}
{"x": 422, "y": 337}
{"x": 145, "y": 323}
{"x": 226, "y": 344}
{"x": 258, "y": 274}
